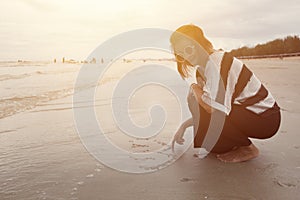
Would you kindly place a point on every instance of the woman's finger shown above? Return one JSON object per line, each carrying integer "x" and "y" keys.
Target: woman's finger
{"x": 180, "y": 141}
{"x": 173, "y": 144}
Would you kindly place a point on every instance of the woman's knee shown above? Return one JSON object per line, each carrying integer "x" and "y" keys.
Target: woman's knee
{"x": 272, "y": 126}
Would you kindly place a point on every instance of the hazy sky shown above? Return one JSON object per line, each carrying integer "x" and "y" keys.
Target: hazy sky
{"x": 47, "y": 29}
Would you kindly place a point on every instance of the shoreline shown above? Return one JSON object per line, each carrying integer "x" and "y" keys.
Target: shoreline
{"x": 281, "y": 56}
{"x": 42, "y": 156}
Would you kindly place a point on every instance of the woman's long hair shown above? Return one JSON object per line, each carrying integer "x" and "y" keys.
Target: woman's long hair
{"x": 196, "y": 34}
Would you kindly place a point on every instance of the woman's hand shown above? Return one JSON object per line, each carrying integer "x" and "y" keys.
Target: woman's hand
{"x": 200, "y": 82}
{"x": 197, "y": 89}
{"x": 178, "y": 137}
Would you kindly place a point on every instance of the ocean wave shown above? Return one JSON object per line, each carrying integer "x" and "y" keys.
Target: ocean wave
{"x": 13, "y": 105}
{"x": 23, "y": 63}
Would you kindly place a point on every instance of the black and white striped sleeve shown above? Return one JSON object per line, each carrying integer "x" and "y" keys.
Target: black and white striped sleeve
{"x": 229, "y": 82}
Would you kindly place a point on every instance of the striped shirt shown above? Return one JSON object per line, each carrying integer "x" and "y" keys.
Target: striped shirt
{"x": 229, "y": 81}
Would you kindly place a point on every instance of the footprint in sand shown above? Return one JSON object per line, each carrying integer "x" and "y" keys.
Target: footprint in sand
{"x": 98, "y": 170}
{"x": 284, "y": 184}
{"x": 267, "y": 167}
{"x": 90, "y": 175}
{"x": 283, "y": 131}
{"x": 186, "y": 180}
{"x": 80, "y": 183}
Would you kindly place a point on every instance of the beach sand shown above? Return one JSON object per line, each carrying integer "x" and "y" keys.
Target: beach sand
{"x": 42, "y": 157}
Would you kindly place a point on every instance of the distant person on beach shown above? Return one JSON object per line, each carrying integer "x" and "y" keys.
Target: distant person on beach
{"x": 224, "y": 85}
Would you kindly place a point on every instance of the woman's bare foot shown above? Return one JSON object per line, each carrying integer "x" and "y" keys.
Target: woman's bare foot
{"x": 239, "y": 154}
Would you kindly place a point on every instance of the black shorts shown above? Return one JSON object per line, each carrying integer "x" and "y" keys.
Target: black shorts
{"x": 233, "y": 130}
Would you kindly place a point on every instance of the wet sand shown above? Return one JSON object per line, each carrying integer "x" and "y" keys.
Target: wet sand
{"x": 42, "y": 157}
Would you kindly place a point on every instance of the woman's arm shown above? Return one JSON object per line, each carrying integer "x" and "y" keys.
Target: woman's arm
{"x": 198, "y": 92}
{"x": 187, "y": 123}
{"x": 178, "y": 137}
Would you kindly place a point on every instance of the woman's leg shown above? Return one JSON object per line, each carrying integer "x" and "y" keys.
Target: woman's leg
{"x": 201, "y": 120}
{"x": 250, "y": 125}
{"x": 230, "y": 136}
{"x": 253, "y": 125}
{"x": 233, "y": 142}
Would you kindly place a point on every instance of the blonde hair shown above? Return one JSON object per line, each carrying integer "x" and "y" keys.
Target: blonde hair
{"x": 195, "y": 33}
